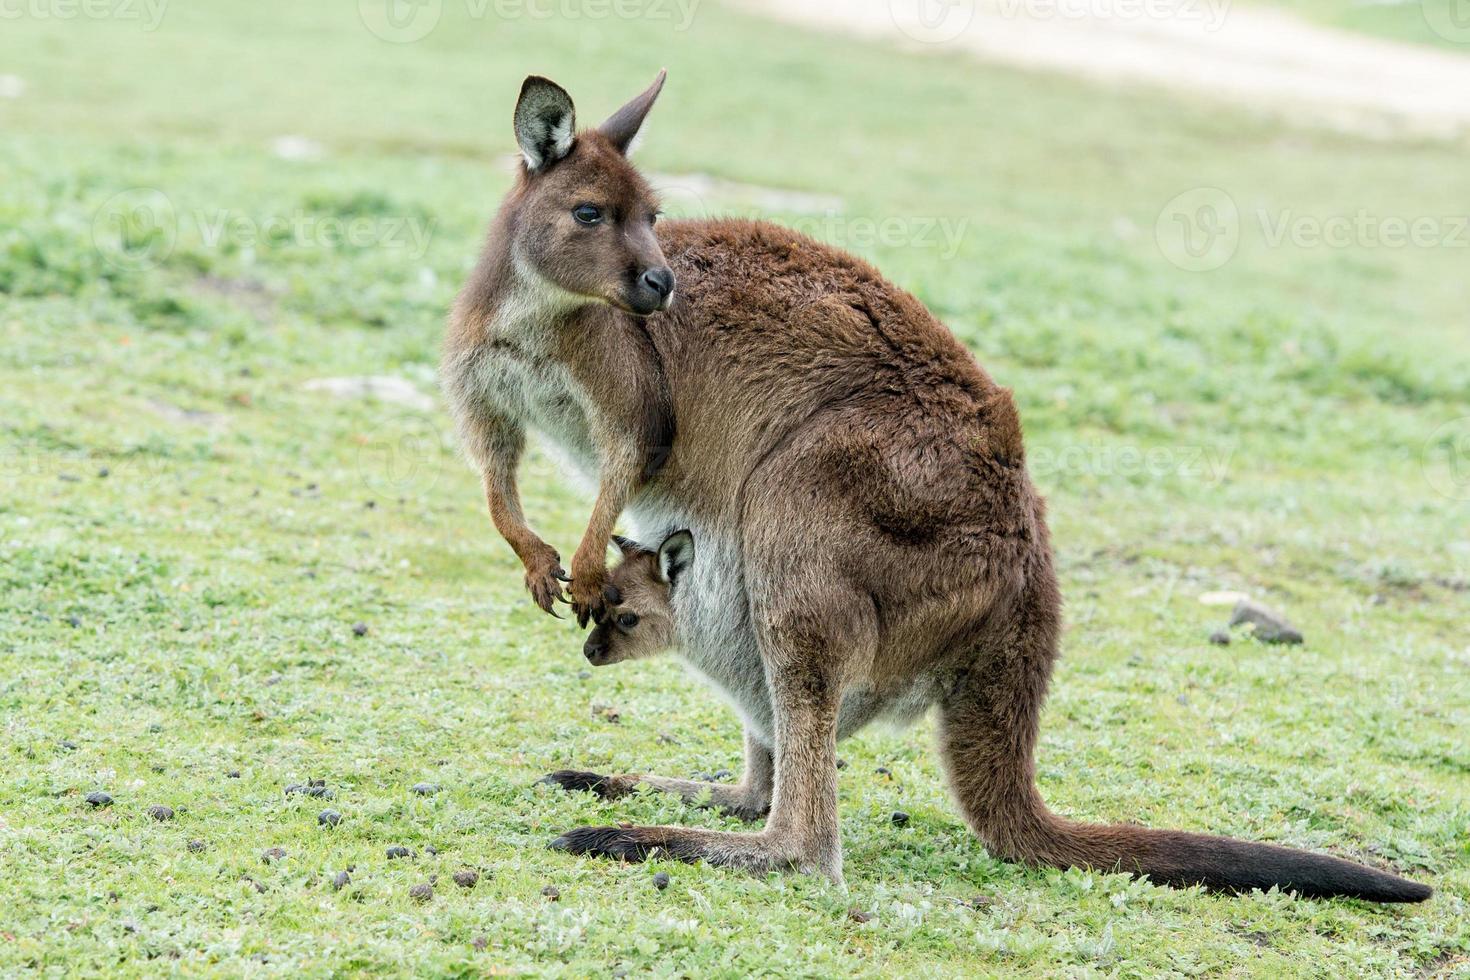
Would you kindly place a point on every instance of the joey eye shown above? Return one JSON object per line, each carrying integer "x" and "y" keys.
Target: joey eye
{"x": 587, "y": 214}
{"x": 628, "y": 620}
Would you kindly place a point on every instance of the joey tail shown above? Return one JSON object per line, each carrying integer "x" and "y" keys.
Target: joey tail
{"x": 988, "y": 735}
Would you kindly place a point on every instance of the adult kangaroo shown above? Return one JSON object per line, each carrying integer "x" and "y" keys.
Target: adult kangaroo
{"x": 866, "y": 541}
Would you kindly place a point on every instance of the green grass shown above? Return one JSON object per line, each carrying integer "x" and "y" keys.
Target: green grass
{"x": 191, "y": 613}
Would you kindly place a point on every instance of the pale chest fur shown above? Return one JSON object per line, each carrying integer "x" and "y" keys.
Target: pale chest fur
{"x": 543, "y": 396}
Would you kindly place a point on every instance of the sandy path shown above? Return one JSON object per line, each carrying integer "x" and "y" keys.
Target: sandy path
{"x": 1256, "y": 57}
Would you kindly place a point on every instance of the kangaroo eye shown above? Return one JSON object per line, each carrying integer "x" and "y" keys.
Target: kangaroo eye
{"x": 628, "y": 620}
{"x": 587, "y": 214}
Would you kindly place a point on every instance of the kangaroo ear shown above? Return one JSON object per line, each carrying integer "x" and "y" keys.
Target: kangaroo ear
{"x": 675, "y": 555}
{"x": 628, "y": 547}
{"x": 544, "y": 122}
{"x": 622, "y": 126}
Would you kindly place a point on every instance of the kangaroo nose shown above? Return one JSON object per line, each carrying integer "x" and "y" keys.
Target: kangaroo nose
{"x": 660, "y": 280}
{"x": 593, "y": 650}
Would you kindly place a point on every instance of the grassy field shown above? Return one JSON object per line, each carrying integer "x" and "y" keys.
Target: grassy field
{"x": 217, "y": 581}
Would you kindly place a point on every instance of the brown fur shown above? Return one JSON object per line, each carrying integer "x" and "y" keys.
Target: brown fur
{"x": 869, "y": 479}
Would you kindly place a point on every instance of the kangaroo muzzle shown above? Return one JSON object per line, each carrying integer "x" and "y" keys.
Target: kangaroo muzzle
{"x": 653, "y": 290}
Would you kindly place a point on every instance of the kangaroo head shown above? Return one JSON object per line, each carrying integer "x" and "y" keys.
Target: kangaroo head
{"x": 580, "y": 217}
{"x": 639, "y": 592}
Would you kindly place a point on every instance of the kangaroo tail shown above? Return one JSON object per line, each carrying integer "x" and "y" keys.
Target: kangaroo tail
{"x": 988, "y": 737}
{"x": 1182, "y": 859}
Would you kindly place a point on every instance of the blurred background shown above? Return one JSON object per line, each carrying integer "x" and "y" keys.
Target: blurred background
{"x": 1220, "y": 249}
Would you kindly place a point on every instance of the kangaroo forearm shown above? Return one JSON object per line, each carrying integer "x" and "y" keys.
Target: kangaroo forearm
{"x": 505, "y": 512}
{"x": 612, "y": 497}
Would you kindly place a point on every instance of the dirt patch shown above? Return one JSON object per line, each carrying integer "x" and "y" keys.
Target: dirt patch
{"x": 1212, "y": 48}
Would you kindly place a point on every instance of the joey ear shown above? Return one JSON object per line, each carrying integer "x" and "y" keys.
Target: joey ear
{"x": 675, "y": 556}
{"x": 622, "y": 126}
{"x": 544, "y": 122}
{"x": 628, "y": 547}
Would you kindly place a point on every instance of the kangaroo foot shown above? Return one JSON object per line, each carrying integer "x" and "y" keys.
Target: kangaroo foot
{"x": 757, "y": 853}
{"x": 745, "y": 802}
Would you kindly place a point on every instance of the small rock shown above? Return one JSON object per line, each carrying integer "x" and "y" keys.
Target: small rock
{"x": 399, "y": 851}
{"x": 431, "y": 850}
{"x": 359, "y": 629}
{"x": 160, "y": 812}
{"x": 841, "y": 763}
{"x": 329, "y": 818}
{"x": 341, "y": 880}
{"x": 421, "y": 892}
{"x": 233, "y": 774}
{"x": 722, "y": 774}
{"x": 899, "y": 818}
{"x": 480, "y": 942}
{"x": 466, "y": 878}
{"x": 397, "y": 391}
{"x": 273, "y": 855}
{"x": 99, "y": 799}
{"x": 883, "y": 771}
{"x": 196, "y": 845}
{"x": 316, "y": 788}
{"x": 252, "y": 883}
{"x": 426, "y": 789}
{"x": 297, "y": 148}
{"x": 104, "y": 473}
{"x": 858, "y": 915}
{"x": 1268, "y": 625}
{"x": 73, "y": 621}
{"x": 661, "y": 880}
{"x": 1220, "y": 638}
{"x": 552, "y": 893}
{"x": 68, "y": 745}
{"x": 1183, "y": 700}
{"x": 583, "y": 675}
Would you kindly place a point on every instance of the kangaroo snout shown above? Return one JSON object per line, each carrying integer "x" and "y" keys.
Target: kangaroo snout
{"x": 652, "y": 290}
{"x": 595, "y": 650}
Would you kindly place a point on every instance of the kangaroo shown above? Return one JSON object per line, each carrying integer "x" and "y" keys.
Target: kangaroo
{"x": 864, "y": 539}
